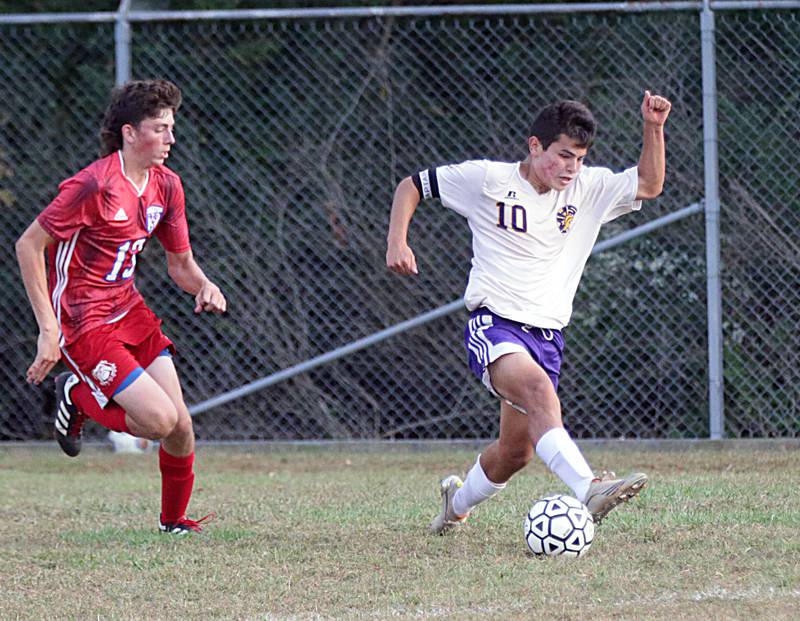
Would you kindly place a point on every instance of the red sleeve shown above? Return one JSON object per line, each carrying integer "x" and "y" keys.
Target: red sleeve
{"x": 74, "y": 208}
{"x": 173, "y": 231}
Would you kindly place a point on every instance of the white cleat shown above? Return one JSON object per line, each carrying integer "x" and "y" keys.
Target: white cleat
{"x": 447, "y": 518}
{"x": 607, "y": 492}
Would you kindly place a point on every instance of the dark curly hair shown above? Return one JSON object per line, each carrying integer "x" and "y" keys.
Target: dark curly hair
{"x": 567, "y": 117}
{"x": 131, "y": 103}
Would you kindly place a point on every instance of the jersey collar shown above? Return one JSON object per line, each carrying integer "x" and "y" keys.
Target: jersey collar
{"x": 139, "y": 191}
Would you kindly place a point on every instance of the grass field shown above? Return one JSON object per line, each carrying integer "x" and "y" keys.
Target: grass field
{"x": 339, "y": 533}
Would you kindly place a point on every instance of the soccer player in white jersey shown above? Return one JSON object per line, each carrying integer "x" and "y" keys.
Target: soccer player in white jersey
{"x": 533, "y": 224}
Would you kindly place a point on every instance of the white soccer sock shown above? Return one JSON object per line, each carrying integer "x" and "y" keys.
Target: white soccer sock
{"x": 560, "y": 453}
{"x": 477, "y": 488}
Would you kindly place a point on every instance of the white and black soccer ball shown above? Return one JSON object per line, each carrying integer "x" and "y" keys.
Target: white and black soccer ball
{"x": 559, "y": 525}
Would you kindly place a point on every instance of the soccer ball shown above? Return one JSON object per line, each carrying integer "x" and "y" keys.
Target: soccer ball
{"x": 559, "y": 525}
{"x": 126, "y": 443}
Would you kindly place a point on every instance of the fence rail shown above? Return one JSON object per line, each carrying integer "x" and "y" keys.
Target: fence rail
{"x": 296, "y": 126}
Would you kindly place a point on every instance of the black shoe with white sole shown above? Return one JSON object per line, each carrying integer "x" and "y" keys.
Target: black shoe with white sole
{"x": 69, "y": 421}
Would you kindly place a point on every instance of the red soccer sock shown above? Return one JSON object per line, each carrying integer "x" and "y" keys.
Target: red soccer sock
{"x": 177, "y": 479}
{"x": 111, "y": 417}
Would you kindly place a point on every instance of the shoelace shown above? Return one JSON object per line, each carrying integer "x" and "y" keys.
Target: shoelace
{"x": 195, "y": 524}
{"x": 606, "y": 475}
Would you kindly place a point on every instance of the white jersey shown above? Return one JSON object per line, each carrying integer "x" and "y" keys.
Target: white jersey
{"x": 529, "y": 249}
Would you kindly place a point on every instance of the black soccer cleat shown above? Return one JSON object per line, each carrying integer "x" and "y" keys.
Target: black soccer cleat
{"x": 69, "y": 421}
{"x": 184, "y": 526}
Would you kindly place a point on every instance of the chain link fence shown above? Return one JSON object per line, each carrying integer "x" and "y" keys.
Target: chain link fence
{"x": 292, "y": 137}
{"x": 759, "y": 87}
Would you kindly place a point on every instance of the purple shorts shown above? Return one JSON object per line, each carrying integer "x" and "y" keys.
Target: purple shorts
{"x": 489, "y": 336}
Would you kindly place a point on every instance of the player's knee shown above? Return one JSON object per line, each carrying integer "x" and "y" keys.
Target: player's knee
{"x": 183, "y": 426}
{"x": 163, "y": 422}
{"x": 538, "y": 393}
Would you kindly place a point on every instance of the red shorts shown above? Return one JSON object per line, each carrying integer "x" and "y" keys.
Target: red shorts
{"x": 105, "y": 356}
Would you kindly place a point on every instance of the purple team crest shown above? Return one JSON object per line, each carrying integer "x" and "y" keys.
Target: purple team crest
{"x": 153, "y": 217}
{"x": 565, "y": 217}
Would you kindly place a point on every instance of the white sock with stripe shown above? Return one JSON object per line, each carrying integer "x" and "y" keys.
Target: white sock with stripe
{"x": 560, "y": 453}
{"x": 477, "y": 488}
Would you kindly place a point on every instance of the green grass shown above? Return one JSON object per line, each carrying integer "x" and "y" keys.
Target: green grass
{"x": 340, "y": 533}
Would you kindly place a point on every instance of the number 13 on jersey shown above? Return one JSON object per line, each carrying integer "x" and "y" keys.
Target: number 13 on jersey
{"x": 128, "y": 251}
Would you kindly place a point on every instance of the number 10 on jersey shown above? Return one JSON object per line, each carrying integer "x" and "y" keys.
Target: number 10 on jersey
{"x": 515, "y": 215}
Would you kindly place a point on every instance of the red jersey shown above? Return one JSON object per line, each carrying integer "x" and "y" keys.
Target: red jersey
{"x": 101, "y": 222}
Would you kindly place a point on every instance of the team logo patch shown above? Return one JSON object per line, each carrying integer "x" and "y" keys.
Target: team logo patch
{"x": 153, "y": 217}
{"x": 105, "y": 372}
{"x": 565, "y": 217}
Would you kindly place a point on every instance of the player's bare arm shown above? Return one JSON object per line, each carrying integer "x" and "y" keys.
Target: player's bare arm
{"x": 30, "y": 249}
{"x": 186, "y": 273}
{"x": 652, "y": 162}
{"x": 399, "y": 256}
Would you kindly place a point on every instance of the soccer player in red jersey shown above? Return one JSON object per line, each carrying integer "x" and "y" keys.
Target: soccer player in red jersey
{"x": 87, "y": 307}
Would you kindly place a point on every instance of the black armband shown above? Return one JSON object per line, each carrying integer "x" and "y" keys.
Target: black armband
{"x": 426, "y": 183}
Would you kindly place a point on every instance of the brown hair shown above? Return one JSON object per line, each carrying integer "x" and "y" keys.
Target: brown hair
{"x": 130, "y": 104}
{"x": 567, "y": 117}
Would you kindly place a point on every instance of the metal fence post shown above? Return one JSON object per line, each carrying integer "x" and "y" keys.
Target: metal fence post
{"x": 712, "y": 210}
{"x": 122, "y": 43}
